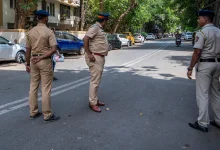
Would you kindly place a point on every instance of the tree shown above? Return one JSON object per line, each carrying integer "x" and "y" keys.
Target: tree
{"x": 133, "y": 4}
{"x": 82, "y": 15}
{"x": 22, "y": 8}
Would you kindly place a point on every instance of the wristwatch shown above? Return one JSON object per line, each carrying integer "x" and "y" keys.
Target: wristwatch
{"x": 190, "y": 69}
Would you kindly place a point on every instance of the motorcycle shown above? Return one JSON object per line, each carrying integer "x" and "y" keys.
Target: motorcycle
{"x": 178, "y": 41}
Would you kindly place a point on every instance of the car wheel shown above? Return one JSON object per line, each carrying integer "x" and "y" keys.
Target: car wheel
{"x": 81, "y": 51}
{"x": 110, "y": 47}
{"x": 20, "y": 57}
{"x": 120, "y": 47}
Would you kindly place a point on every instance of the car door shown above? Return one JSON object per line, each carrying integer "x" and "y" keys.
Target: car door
{"x": 72, "y": 43}
{"x": 6, "y": 50}
{"x": 62, "y": 43}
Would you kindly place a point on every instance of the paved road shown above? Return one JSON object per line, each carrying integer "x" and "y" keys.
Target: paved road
{"x": 149, "y": 104}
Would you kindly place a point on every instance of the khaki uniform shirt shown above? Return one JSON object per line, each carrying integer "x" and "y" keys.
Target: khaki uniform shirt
{"x": 208, "y": 40}
{"x": 98, "y": 42}
{"x": 40, "y": 39}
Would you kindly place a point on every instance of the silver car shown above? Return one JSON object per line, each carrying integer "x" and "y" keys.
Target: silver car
{"x": 123, "y": 39}
{"x": 150, "y": 36}
{"x": 138, "y": 38}
{"x": 11, "y": 51}
{"x": 188, "y": 36}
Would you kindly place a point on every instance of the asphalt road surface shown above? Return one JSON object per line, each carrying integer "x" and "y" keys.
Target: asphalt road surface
{"x": 149, "y": 102}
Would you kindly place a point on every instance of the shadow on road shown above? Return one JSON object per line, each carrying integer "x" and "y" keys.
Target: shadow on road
{"x": 145, "y": 112}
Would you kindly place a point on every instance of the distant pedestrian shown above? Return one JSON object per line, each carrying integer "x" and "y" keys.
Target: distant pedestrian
{"x": 56, "y": 54}
{"x": 41, "y": 45}
{"x": 207, "y": 55}
{"x": 96, "y": 46}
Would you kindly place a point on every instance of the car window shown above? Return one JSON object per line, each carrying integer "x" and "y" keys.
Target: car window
{"x": 122, "y": 36}
{"x": 70, "y": 37}
{"x": 149, "y": 34}
{"x": 137, "y": 35}
{"x": 3, "y": 40}
{"x": 189, "y": 33}
{"x": 59, "y": 35}
{"x": 126, "y": 34}
{"x": 111, "y": 37}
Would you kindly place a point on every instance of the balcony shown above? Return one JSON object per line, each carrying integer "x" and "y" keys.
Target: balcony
{"x": 74, "y": 3}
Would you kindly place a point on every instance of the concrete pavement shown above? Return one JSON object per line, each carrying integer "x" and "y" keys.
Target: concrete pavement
{"x": 149, "y": 104}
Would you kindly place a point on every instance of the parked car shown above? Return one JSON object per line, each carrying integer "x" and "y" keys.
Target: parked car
{"x": 138, "y": 38}
{"x": 69, "y": 44}
{"x": 150, "y": 36}
{"x": 11, "y": 51}
{"x": 188, "y": 36}
{"x": 130, "y": 37}
{"x": 123, "y": 39}
{"x": 114, "y": 41}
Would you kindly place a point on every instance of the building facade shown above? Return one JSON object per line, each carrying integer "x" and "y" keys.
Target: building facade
{"x": 64, "y": 14}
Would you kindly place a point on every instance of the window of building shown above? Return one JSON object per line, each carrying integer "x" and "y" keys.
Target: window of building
{"x": 76, "y": 12}
{"x": 52, "y": 9}
{"x": 44, "y": 5}
{"x": 64, "y": 11}
{"x": 12, "y": 4}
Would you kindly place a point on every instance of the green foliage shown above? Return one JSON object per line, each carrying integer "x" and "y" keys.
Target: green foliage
{"x": 27, "y": 5}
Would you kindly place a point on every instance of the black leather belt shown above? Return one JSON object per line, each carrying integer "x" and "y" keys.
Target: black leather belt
{"x": 37, "y": 55}
{"x": 210, "y": 60}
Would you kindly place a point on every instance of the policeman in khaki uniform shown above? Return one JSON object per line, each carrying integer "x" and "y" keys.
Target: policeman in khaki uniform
{"x": 207, "y": 54}
{"x": 41, "y": 45}
{"x": 96, "y": 46}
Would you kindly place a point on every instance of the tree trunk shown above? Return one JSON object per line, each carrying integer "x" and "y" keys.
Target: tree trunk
{"x": 101, "y": 5}
{"x": 82, "y": 15}
{"x": 217, "y": 14}
{"x": 133, "y": 4}
{"x": 20, "y": 16}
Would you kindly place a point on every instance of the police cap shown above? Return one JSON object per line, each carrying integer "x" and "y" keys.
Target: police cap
{"x": 42, "y": 13}
{"x": 207, "y": 13}
{"x": 103, "y": 16}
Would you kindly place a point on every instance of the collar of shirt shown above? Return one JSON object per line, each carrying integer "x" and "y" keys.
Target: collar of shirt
{"x": 99, "y": 25}
{"x": 41, "y": 24}
{"x": 208, "y": 25}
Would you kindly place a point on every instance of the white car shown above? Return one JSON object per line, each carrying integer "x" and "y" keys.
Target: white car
{"x": 123, "y": 39}
{"x": 138, "y": 38}
{"x": 11, "y": 51}
{"x": 188, "y": 36}
{"x": 150, "y": 36}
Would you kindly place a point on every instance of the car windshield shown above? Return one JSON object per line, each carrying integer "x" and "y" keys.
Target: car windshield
{"x": 126, "y": 34}
{"x": 189, "y": 33}
{"x": 3, "y": 40}
{"x": 150, "y": 34}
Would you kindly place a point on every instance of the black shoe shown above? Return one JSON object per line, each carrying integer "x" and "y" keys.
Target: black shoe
{"x": 52, "y": 119}
{"x": 55, "y": 79}
{"x": 35, "y": 116}
{"x": 198, "y": 127}
{"x": 213, "y": 123}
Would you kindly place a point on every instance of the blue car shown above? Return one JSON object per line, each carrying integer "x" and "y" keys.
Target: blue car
{"x": 69, "y": 44}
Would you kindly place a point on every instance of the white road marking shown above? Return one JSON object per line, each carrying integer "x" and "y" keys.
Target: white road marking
{"x": 73, "y": 85}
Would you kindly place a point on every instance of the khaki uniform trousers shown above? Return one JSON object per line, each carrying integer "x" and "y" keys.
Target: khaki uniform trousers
{"x": 96, "y": 69}
{"x": 41, "y": 72}
{"x": 208, "y": 89}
